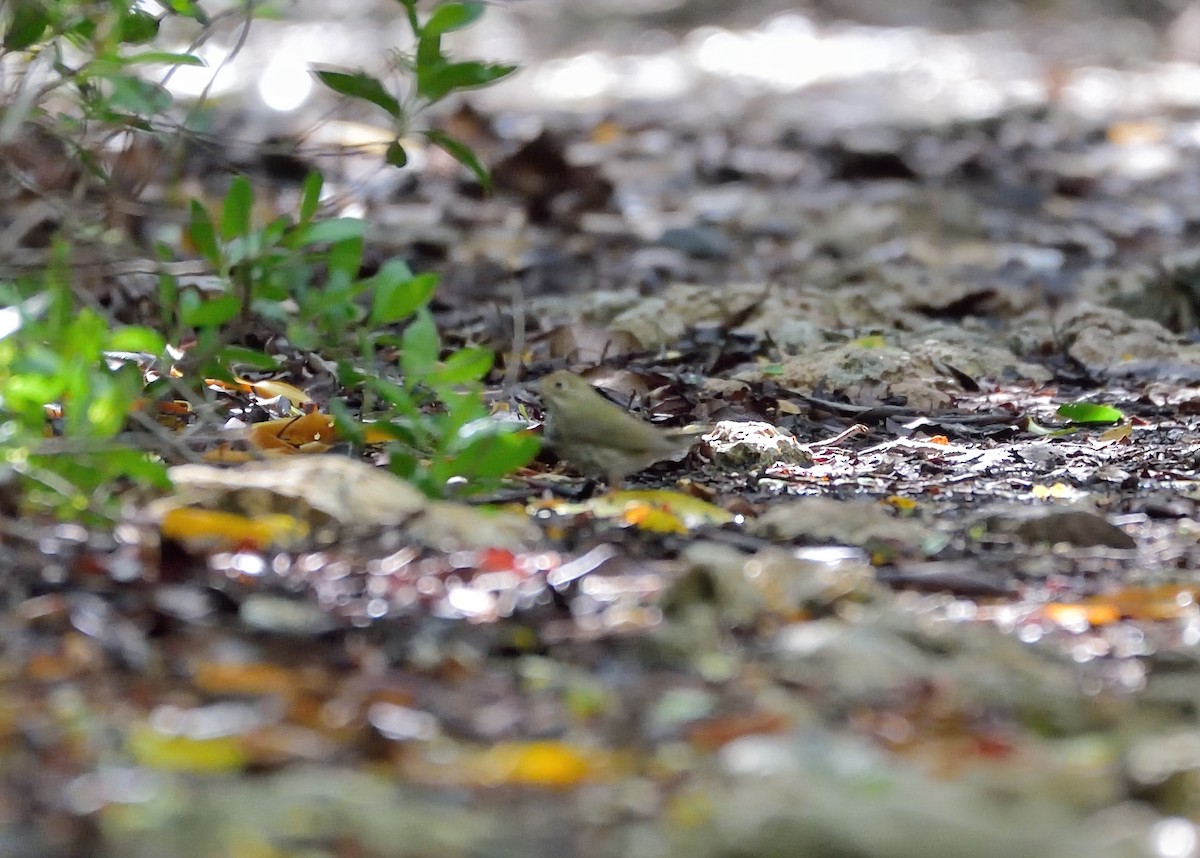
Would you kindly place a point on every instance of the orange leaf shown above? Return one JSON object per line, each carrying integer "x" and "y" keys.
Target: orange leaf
{"x": 270, "y": 389}
{"x": 295, "y": 434}
{"x": 1081, "y": 613}
{"x": 218, "y": 384}
{"x": 713, "y": 733}
{"x": 216, "y": 677}
{"x": 226, "y": 455}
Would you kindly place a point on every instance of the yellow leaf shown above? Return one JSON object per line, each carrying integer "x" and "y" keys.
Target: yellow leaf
{"x": 1118, "y": 433}
{"x": 690, "y": 511}
{"x": 546, "y": 764}
{"x": 199, "y": 529}
{"x": 652, "y": 518}
{"x": 1058, "y": 490}
{"x": 157, "y": 750}
{"x": 659, "y": 511}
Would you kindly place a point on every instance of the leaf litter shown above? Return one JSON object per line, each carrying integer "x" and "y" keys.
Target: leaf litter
{"x": 944, "y": 633}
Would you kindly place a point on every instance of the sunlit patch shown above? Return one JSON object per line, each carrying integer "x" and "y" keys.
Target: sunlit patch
{"x": 789, "y": 53}
{"x": 656, "y": 77}
{"x": 1145, "y": 162}
{"x": 582, "y": 77}
{"x": 285, "y": 84}
{"x": 1174, "y": 837}
{"x": 400, "y": 723}
{"x": 977, "y": 99}
{"x": 111, "y": 785}
{"x": 194, "y": 81}
{"x": 1094, "y": 91}
{"x": 1179, "y": 83}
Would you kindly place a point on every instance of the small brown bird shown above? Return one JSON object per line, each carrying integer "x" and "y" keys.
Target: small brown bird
{"x": 600, "y": 438}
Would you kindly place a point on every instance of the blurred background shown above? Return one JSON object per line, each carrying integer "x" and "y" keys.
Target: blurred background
{"x": 844, "y": 62}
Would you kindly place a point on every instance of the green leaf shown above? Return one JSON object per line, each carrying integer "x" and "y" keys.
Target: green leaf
{"x": 429, "y": 55}
{"x": 130, "y": 338}
{"x": 362, "y": 86}
{"x": 235, "y": 213}
{"x": 137, "y": 95}
{"x": 462, "y": 407}
{"x": 137, "y": 27}
{"x": 107, "y": 404}
{"x": 189, "y": 8}
{"x": 240, "y": 248}
{"x": 164, "y": 58}
{"x": 399, "y": 431}
{"x": 36, "y": 383}
{"x": 80, "y": 31}
{"x": 410, "y": 9}
{"x": 310, "y": 197}
{"x": 344, "y": 259}
{"x": 462, "y": 153}
{"x": 212, "y": 313}
{"x": 464, "y": 366}
{"x": 29, "y": 21}
{"x": 303, "y": 337}
{"x": 420, "y": 345}
{"x": 403, "y": 463}
{"x": 168, "y": 294}
{"x": 272, "y": 234}
{"x": 394, "y": 269}
{"x": 396, "y": 154}
{"x": 452, "y": 16}
{"x": 241, "y": 356}
{"x": 1035, "y": 428}
{"x": 328, "y": 232}
{"x": 397, "y": 293}
{"x": 137, "y": 466}
{"x": 204, "y": 235}
{"x": 349, "y": 427}
{"x": 438, "y": 82}
{"x": 493, "y": 451}
{"x": 397, "y": 397}
{"x": 1090, "y": 412}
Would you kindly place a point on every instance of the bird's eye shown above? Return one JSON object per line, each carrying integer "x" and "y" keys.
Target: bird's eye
{"x": 560, "y": 385}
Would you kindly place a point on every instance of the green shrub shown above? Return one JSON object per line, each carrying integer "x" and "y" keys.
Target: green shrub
{"x": 299, "y": 277}
{"x": 68, "y": 384}
{"x": 432, "y": 75}
{"x": 432, "y": 406}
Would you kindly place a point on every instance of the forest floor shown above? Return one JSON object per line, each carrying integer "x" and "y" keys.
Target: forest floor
{"x": 898, "y": 603}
